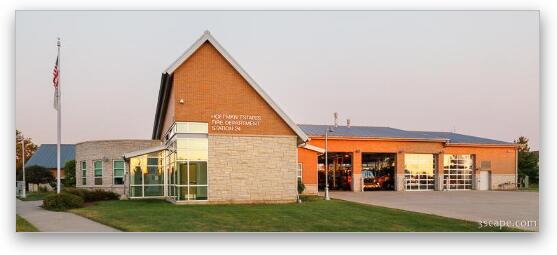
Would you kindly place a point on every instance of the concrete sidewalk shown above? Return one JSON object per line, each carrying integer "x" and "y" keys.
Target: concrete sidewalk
{"x": 49, "y": 221}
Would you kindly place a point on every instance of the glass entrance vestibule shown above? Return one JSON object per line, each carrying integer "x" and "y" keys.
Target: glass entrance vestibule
{"x": 178, "y": 171}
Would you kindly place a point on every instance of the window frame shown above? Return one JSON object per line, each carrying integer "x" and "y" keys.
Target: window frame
{"x": 95, "y": 173}
{"x": 300, "y": 171}
{"x": 83, "y": 167}
{"x": 114, "y": 172}
{"x": 160, "y": 164}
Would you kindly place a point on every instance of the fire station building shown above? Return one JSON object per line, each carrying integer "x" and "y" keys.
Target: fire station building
{"x": 382, "y": 158}
{"x": 219, "y": 138}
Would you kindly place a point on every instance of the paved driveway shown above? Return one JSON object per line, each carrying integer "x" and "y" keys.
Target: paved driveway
{"x": 49, "y": 221}
{"x": 467, "y": 205}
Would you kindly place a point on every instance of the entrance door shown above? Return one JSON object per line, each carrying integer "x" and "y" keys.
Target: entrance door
{"x": 484, "y": 180}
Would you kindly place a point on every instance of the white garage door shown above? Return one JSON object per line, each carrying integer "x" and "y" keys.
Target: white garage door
{"x": 457, "y": 171}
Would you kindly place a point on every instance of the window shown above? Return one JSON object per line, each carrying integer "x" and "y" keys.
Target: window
{"x": 300, "y": 171}
{"x": 118, "y": 171}
{"x": 83, "y": 172}
{"x": 192, "y": 148}
{"x": 192, "y": 127}
{"x": 98, "y": 166}
{"x": 191, "y": 179}
{"x": 419, "y": 171}
{"x": 153, "y": 179}
{"x": 147, "y": 175}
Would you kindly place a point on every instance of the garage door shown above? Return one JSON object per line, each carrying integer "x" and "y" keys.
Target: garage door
{"x": 419, "y": 172}
{"x": 457, "y": 171}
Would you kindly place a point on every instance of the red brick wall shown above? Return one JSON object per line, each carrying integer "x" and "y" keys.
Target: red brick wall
{"x": 209, "y": 85}
{"x": 502, "y": 159}
{"x": 308, "y": 158}
{"x": 53, "y": 173}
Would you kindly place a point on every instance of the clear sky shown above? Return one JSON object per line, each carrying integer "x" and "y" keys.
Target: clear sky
{"x": 475, "y": 73}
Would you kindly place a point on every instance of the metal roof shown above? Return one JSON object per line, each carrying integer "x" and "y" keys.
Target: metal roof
{"x": 460, "y": 138}
{"x": 45, "y": 156}
{"x": 387, "y": 132}
{"x": 136, "y": 153}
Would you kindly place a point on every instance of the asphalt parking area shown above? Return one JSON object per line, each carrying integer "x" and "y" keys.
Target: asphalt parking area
{"x": 492, "y": 206}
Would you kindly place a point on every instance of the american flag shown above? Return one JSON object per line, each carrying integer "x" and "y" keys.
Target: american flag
{"x": 56, "y": 74}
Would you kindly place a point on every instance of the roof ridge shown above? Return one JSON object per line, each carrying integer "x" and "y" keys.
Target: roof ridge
{"x": 56, "y": 144}
{"x": 351, "y": 126}
{"x": 208, "y": 37}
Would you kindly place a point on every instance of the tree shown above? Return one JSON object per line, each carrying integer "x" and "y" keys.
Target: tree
{"x": 523, "y": 142}
{"x": 69, "y": 173}
{"x": 30, "y": 148}
{"x": 528, "y": 162}
{"x": 36, "y": 174}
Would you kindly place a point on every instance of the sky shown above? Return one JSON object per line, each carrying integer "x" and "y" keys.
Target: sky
{"x": 470, "y": 72}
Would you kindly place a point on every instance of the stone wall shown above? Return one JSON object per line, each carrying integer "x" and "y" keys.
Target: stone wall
{"x": 252, "y": 169}
{"x": 107, "y": 151}
{"x": 357, "y": 182}
{"x": 400, "y": 185}
{"x": 311, "y": 189}
{"x": 503, "y": 182}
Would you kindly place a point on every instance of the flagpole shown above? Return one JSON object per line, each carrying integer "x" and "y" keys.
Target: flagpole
{"x": 23, "y": 195}
{"x": 59, "y": 109}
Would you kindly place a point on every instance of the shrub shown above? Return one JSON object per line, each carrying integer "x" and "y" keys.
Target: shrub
{"x": 92, "y": 195}
{"x": 42, "y": 189}
{"x": 62, "y": 202}
{"x": 301, "y": 186}
{"x": 100, "y": 195}
{"x": 77, "y": 192}
{"x": 35, "y": 174}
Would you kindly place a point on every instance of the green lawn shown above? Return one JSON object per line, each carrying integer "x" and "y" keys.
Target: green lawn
{"x": 22, "y": 225}
{"x": 313, "y": 215}
{"x": 33, "y": 196}
{"x": 532, "y": 187}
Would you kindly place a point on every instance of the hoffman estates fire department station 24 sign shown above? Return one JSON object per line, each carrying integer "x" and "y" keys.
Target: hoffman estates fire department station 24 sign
{"x": 233, "y": 122}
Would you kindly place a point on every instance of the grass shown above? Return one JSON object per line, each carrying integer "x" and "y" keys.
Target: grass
{"x": 532, "y": 187}
{"x": 34, "y": 196}
{"x": 22, "y": 225}
{"x": 313, "y": 215}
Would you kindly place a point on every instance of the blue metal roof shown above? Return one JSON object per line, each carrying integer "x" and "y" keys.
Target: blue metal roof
{"x": 460, "y": 138}
{"x": 45, "y": 156}
{"x": 387, "y": 132}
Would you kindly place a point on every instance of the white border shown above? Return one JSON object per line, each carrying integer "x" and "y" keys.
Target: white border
{"x": 542, "y": 243}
